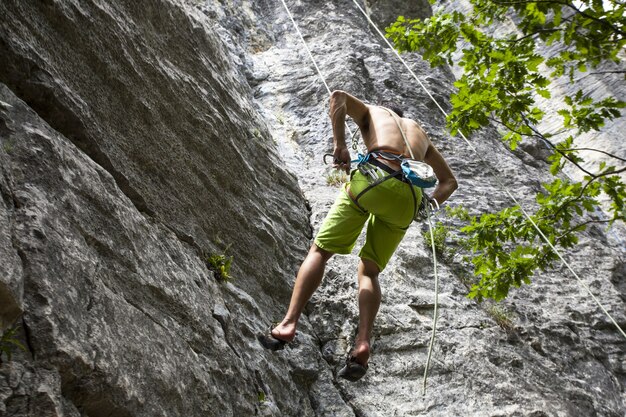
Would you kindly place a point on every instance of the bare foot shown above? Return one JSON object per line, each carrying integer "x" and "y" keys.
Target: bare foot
{"x": 285, "y": 331}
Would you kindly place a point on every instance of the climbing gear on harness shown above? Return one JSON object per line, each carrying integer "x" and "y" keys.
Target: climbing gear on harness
{"x": 369, "y": 166}
{"x": 428, "y": 207}
{"x": 419, "y": 173}
{"x": 415, "y": 172}
{"x": 354, "y": 142}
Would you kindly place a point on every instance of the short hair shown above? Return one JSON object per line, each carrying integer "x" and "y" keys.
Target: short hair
{"x": 392, "y": 106}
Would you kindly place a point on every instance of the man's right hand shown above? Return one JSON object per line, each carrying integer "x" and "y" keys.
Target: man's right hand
{"x": 341, "y": 159}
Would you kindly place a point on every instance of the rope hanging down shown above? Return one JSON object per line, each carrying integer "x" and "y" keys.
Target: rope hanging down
{"x": 430, "y": 226}
{"x": 436, "y": 308}
{"x": 497, "y": 176}
{"x": 319, "y": 73}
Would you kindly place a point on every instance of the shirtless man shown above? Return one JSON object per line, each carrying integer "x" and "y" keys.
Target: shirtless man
{"x": 389, "y": 209}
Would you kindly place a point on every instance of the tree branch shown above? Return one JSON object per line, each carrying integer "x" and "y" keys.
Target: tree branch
{"x": 582, "y": 191}
{"x": 534, "y": 34}
{"x": 588, "y": 16}
{"x": 604, "y": 174}
{"x": 608, "y": 72}
{"x": 594, "y": 150}
{"x": 555, "y": 148}
{"x": 566, "y": 4}
{"x": 574, "y": 228}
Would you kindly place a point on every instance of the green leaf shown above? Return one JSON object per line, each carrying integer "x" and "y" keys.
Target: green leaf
{"x": 544, "y": 93}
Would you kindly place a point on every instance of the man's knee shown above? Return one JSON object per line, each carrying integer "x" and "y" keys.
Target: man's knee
{"x": 322, "y": 253}
{"x": 370, "y": 268}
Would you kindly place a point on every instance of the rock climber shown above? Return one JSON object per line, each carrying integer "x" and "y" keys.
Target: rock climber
{"x": 388, "y": 208}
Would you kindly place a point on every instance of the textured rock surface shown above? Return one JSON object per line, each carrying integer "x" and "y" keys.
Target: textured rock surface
{"x": 129, "y": 152}
{"x": 385, "y": 12}
{"x": 137, "y": 136}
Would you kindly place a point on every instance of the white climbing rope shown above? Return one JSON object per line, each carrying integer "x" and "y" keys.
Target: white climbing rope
{"x": 436, "y": 309}
{"x": 497, "y": 176}
{"x": 317, "y": 69}
{"x": 430, "y": 226}
{"x": 306, "y": 47}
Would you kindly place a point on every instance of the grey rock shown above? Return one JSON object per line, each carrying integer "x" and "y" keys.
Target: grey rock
{"x": 385, "y": 12}
{"x": 26, "y": 391}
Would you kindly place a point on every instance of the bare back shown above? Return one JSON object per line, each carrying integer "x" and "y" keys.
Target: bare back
{"x": 381, "y": 132}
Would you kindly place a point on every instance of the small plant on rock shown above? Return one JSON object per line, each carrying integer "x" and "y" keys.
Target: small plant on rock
{"x": 8, "y": 342}
{"x": 336, "y": 178}
{"x": 439, "y": 232}
{"x": 262, "y": 397}
{"x": 220, "y": 264}
{"x": 501, "y": 315}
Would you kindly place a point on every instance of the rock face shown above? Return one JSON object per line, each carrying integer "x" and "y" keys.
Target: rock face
{"x": 129, "y": 155}
{"x": 140, "y": 137}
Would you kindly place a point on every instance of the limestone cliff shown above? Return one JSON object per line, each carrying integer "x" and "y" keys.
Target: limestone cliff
{"x": 140, "y": 137}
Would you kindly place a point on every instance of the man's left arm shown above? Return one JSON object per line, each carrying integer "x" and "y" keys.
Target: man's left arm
{"x": 447, "y": 182}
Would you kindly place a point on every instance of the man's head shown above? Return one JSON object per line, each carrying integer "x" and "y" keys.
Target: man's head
{"x": 392, "y": 106}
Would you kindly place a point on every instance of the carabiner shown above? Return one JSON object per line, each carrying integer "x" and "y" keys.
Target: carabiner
{"x": 335, "y": 161}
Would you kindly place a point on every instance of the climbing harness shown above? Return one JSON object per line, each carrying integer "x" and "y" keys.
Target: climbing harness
{"x": 377, "y": 173}
{"x": 413, "y": 172}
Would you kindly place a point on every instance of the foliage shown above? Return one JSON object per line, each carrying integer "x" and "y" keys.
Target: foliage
{"x": 262, "y": 397}
{"x": 7, "y": 146}
{"x": 503, "y": 75}
{"x": 440, "y": 233}
{"x": 8, "y": 342}
{"x": 220, "y": 264}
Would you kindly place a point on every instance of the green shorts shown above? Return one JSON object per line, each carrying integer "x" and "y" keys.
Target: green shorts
{"x": 390, "y": 207}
